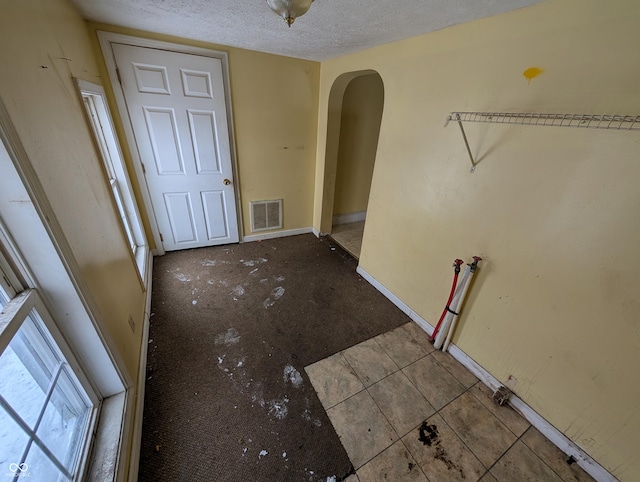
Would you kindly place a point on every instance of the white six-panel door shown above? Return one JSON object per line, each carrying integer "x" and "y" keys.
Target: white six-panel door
{"x": 177, "y": 109}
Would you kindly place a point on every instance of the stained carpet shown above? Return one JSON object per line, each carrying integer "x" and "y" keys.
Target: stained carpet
{"x": 232, "y": 328}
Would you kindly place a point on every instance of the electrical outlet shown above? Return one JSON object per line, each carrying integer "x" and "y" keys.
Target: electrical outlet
{"x": 132, "y": 324}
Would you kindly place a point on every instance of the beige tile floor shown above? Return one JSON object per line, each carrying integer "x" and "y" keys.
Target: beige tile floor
{"x": 405, "y": 412}
{"x": 349, "y": 236}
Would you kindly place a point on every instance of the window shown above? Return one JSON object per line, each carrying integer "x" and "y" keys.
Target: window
{"x": 100, "y": 121}
{"x": 48, "y": 409}
{"x": 45, "y": 311}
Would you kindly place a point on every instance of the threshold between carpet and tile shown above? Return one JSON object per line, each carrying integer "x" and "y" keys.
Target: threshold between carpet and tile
{"x": 406, "y": 412}
{"x": 231, "y": 330}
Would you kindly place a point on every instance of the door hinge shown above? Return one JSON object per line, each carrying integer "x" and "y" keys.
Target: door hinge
{"x": 118, "y": 75}
{"x": 144, "y": 170}
{"x": 161, "y": 238}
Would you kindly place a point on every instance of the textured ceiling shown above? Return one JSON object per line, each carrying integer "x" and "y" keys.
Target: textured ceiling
{"x": 331, "y": 27}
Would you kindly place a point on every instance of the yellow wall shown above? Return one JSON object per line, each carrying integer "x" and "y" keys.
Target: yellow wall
{"x": 553, "y": 211}
{"x": 275, "y": 109}
{"x": 361, "y": 112}
{"x": 45, "y": 44}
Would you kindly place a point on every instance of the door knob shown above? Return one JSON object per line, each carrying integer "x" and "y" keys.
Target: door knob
{"x": 226, "y": 182}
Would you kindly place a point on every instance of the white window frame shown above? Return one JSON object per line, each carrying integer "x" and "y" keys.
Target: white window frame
{"x": 22, "y": 305}
{"x": 101, "y": 123}
{"x": 40, "y": 256}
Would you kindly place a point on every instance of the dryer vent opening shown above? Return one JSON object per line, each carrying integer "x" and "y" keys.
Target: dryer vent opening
{"x": 266, "y": 215}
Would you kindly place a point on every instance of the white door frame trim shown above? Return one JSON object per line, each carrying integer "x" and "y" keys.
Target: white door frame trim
{"x": 106, "y": 39}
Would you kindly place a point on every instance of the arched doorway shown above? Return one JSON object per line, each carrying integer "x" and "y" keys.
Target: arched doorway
{"x": 355, "y": 113}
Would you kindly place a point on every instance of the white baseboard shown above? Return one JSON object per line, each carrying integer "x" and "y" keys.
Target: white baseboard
{"x": 593, "y": 468}
{"x": 424, "y": 324}
{"x": 319, "y": 234}
{"x": 136, "y": 439}
{"x": 276, "y": 234}
{"x": 349, "y": 218}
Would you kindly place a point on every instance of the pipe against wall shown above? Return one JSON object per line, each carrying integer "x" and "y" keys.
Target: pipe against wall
{"x": 472, "y": 269}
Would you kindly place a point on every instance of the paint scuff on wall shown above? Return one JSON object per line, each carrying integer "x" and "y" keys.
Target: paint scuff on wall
{"x": 532, "y": 73}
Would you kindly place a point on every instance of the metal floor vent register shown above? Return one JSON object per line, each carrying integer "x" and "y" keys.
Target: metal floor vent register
{"x": 266, "y": 215}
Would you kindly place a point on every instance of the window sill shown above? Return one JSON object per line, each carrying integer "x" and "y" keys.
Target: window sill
{"x": 105, "y": 459}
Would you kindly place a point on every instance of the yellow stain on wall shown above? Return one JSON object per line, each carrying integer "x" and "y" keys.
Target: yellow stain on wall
{"x": 532, "y": 73}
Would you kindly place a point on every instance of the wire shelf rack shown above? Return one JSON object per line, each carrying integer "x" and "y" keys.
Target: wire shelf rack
{"x": 585, "y": 121}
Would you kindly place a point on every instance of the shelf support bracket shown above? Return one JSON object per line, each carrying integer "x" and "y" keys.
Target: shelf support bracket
{"x": 464, "y": 136}
{"x": 587, "y": 121}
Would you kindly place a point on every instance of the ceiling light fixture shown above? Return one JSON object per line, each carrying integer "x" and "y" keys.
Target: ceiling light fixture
{"x": 290, "y": 9}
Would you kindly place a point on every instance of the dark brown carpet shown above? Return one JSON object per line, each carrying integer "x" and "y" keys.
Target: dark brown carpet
{"x": 232, "y": 328}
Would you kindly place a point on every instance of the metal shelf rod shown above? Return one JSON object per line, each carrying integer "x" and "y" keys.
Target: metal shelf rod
{"x": 585, "y": 121}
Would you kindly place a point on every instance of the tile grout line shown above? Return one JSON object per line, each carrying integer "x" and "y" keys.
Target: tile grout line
{"x": 495, "y": 416}
{"x": 488, "y": 469}
{"x": 540, "y": 458}
{"x": 503, "y": 454}
{"x": 414, "y": 459}
{"x": 458, "y": 435}
{"x": 366, "y": 389}
{"x": 468, "y": 389}
{"x": 518, "y": 437}
{"x": 437, "y": 411}
{"x": 387, "y": 419}
{"x": 357, "y": 376}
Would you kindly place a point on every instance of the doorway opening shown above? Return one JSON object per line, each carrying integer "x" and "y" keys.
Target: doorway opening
{"x": 355, "y": 114}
